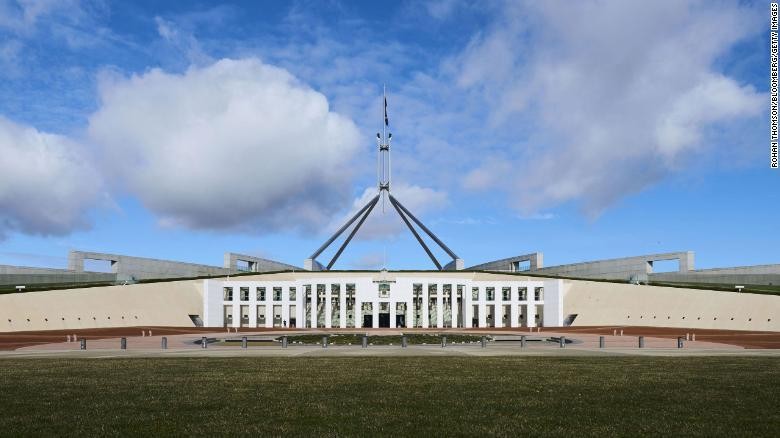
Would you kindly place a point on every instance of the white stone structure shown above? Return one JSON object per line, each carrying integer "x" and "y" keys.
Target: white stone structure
{"x": 382, "y": 299}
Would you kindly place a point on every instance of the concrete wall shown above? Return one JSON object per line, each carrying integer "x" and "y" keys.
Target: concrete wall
{"x": 153, "y": 304}
{"x": 140, "y": 268}
{"x": 627, "y": 268}
{"x": 741, "y": 275}
{"x": 256, "y": 264}
{"x": 536, "y": 260}
{"x": 599, "y": 303}
{"x": 20, "y": 275}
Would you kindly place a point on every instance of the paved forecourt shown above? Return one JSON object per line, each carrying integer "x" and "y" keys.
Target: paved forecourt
{"x": 262, "y": 344}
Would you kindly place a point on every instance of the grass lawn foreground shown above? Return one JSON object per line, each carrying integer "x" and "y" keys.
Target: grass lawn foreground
{"x": 571, "y": 396}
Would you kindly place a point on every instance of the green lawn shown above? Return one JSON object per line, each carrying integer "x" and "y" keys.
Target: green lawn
{"x": 431, "y": 396}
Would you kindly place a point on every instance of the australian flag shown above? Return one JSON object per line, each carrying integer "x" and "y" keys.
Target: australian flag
{"x": 387, "y": 121}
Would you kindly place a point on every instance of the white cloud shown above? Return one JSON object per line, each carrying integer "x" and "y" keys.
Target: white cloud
{"x": 236, "y": 144}
{"x": 621, "y": 94}
{"x": 384, "y": 221}
{"x": 46, "y": 182}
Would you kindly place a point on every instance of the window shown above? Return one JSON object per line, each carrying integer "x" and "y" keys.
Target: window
{"x": 506, "y": 293}
{"x": 350, "y": 296}
{"x": 490, "y": 293}
{"x": 460, "y": 291}
{"x": 293, "y": 294}
{"x": 539, "y": 293}
{"x": 433, "y": 290}
{"x": 244, "y": 291}
{"x": 475, "y": 293}
{"x": 277, "y": 294}
{"x": 320, "y": 293}
{"x": 260, "y": 294}
{"x": 384, "y": 290}
{"x": 522, "y": 293}
{"x": 227, "y": 294}
{"x": 447, "y": 292}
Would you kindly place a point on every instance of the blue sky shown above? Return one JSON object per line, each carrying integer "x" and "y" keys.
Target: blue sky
{"x": 585, "y": 130}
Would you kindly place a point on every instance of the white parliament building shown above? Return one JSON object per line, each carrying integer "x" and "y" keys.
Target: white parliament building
{"x": 381, "y": 299}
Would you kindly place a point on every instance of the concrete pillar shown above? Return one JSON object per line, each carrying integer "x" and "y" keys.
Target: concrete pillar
{"x": 443, "y": 341}
{"x": 328, "y": 307}
{"x": 403, "y": 341}
{"x": 455, "y": 311}
{"x": 343, "y": 306}
{"x": 314, "y": 298}
{"x": 269, "y": 314}
{"x": 244, "y": 342}
{"x": 252, "y": 312}
{"x": 530, "y": 318}
{"x": 439, "y": 306}
{"x": 286, "y": 312}
{"x": 83, "y": 345}
{"x": 164, "y": 343}
{"x": 392, "y": 313}
{"x": 364, "y": 341}
{"x": 284, "y": 341}
{"x": 425, "y": 316}
{"x": 641, "y": 342}
{"x": 375, "y": 314}
{"x": 499, "y": 306}
{"x": 562, "y": 342}
{"x": 522, "y": 341}
{"x": 123, "y": 343}
{"x": 482, "y": 314}
{"x": 468, "y": 312}
{"x": 410, "y": 313}
{"x": 602, "y": 342}
{"x": 204, "y": 343}
{"x": 358, "y": 312}
{"x": 483, "y": 341}
{"x": 514, "y": 320}
{"x": 236, "y": 308}
{"x": 324, "y": 342}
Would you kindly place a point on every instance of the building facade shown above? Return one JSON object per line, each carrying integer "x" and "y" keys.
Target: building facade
{"x": 382, "y": 300}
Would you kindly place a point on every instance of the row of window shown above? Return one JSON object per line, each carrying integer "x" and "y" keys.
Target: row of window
{"x": 384, "y": 291}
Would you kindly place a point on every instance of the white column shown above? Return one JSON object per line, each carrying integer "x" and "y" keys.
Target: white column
{"x": 236, "y": 313}
{"x": 468, "y": 312}
{"x": 343, "y": 306}
{"x": 425, "y": 315}
{"x": 375, "y": 314}
{"x": 439, "y": 306}
{"x": 482, "y": 313}
{"x": 530, "y": 318}
{"x": 285, "y": 311}
{"x": 358, "y": 312}
{"x": 499, "y": 308}
{"x": 410, "y": 313}
{"x": 314, "y": 298}
{"x": 253, "y": 314}
{"x": 328, "y": 307}
{"x": 513, "y": 318}
{"x": 454, "y": 306}
{"x": 392, "y": 314}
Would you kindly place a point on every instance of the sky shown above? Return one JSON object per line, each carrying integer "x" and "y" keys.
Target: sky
{"x": 584, "y": 130}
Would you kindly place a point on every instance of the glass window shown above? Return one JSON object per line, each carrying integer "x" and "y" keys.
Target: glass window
{"x": 432, "y": 290}
{"x": 260, "y": 294}
{"x": 293, "y": 294}
{"x": 539, "y": 294}
{"x": 350, "y": 296}
{"x": 384, "y": 290}
{"x": 227, "y": 294}
{"x": 475, "y": 293}
{"x": 490, "y": 293}
{"x": 506, "y": 293}
{"x": 522, "y": 293}
{"x": 460, "y": 290}
{"x": 277, "y": 294}
{"x": 244, "y": 293}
